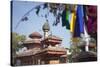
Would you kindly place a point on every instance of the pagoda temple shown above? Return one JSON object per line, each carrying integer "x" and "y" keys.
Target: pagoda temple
{"x": 42, "y": 50}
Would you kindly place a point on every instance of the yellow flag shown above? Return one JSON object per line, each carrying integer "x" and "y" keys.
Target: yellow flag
{"x": 72, "y": 22}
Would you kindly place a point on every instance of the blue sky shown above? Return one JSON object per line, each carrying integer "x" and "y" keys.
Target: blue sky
{"x": 34, "y": 24}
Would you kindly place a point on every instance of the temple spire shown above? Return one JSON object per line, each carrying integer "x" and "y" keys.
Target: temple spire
{"x": 46, "y": 29}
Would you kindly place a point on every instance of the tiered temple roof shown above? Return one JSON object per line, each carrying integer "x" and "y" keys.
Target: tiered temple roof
{"x": 35, "y": 34}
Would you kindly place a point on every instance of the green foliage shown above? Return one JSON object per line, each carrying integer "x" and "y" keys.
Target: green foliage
{"x": 16, "y": 38}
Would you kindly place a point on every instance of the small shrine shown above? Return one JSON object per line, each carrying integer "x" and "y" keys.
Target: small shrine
{"x": 42, "y": 50}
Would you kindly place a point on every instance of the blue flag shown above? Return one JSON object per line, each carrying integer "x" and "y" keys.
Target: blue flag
{"x": 80, "y": 16}
{"x": 79, "y": 25}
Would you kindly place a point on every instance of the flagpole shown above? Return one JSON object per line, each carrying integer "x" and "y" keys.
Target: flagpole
{"x": 86, "y": 38}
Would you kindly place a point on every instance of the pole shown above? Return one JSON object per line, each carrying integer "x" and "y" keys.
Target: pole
{"x": 87, "y": 38}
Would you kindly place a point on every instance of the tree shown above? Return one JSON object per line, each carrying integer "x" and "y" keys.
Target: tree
{"x": 16, "y": 38}
{"x": 60, "y": 11}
